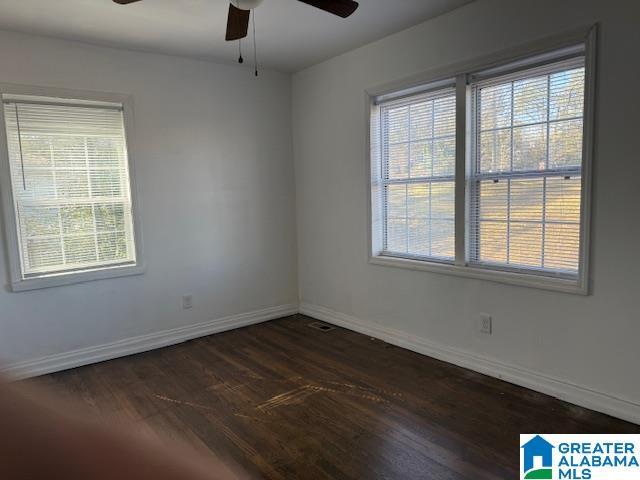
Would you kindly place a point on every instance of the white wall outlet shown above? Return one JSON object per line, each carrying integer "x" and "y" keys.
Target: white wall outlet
{"x": 485, "y": 324}
{"x": 187, "y": 301}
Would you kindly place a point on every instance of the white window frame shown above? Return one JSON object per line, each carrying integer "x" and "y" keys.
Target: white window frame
{"x": 74, "y": 97}
{"x": 521, "y": 57}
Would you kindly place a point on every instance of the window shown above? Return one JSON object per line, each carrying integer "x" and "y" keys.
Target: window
{"x": 418, "y": 164}
{"x": 70, "y": 189}
{"x": 512, "y": 205}
{"x": 526, "y": 182}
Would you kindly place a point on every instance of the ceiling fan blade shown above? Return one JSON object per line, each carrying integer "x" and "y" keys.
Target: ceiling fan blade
{"x": 342, "y": 8}
{"x": 125, "y": 2}
{"x": 237, "y": 23}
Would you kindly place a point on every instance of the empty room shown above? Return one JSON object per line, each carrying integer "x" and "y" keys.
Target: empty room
{"x": 319, "y": 239}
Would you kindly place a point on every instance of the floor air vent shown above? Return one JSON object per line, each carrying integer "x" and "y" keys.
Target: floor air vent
{"x": 323, "y": 327}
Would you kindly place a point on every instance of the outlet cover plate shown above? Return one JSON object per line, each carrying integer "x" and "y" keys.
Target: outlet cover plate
{"x": 187, "y": 301}
{"x": 485, "y": 325}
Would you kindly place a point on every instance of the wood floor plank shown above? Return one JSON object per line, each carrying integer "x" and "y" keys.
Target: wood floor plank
{"x": 289, "y": 402}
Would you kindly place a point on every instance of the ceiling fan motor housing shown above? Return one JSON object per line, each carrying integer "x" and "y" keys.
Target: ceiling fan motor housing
{"x": 246, "y": 4}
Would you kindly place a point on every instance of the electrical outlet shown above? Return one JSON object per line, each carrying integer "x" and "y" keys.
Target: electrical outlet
{"x": 485, "y": 323}
{"x": 187, "y": 301}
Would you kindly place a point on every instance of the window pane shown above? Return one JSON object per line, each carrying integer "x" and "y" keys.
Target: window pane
{"x": 421, "y": 121}
{"x": 40, "y": 221}
{"x": 421, "y": 158}
{"x": 105, "y": 152}
{"x": 112, "y": 246}
{"x": 562, "y": 232}
{"x": 493, "y": 247}
{"x": 109, "y": 218}
{"x": 495, "y": 107}
{"x": 68, "y": 152}
{"x": 72, "y": 183}
{"x": 530, "y": 100}
{"x": 398, "y": 121}
{"x": 443, "y": 239}
{"x": 418, "y": 200}
{"x": 408, "y": 213}
{"x": 495, "y": 151}
{"x": 77, "y": 219}
{"x": 494, "y": 200}
{"x": 567, "y": 94}
{"x": 35, "y": 184}
{"x": 527, "y": 200}
{"x": 562, "y": 244}
{"x": 563, "y": 199}
{"x": 442, "y": 220}
{"x": 69, "y": 172}
{"x": 80, "y": 249}
{"x": 43, "y": 253}
{"x": 529, "y": 147}
{"x": 105, "y": 183}
{"x": 396, "y": 235}
{"x": 36, "y": 151}
{"x": 444, "y": 112}
{"x": 398, "y": 161}
{"x": 397, "y": 201}
{"x": 418, "y": 237}
{"x": 565, "y": 144}
{"x": 525, "y": 244}
{"x": 444, "y": 153}
{"x": 442, "y": 200}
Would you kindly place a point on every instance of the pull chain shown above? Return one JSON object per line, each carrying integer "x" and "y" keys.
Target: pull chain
{"x": 240, "y": 59}
{"x": 255, "y": 50}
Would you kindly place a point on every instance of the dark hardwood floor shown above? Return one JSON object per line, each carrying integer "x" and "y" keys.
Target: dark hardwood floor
{"x": 286, "y": 401}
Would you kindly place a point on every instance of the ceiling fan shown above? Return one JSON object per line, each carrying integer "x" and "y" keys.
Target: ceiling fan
{"x": 240, "y": 10}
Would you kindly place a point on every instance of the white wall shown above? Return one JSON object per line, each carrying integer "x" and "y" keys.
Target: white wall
{"x": 555, "y": 340}
{"x": 215, "y": 184}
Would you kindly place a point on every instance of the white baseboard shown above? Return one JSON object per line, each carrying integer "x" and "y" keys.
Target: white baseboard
{"x": 576, "y": 394}
{"x": 143, "y": 343}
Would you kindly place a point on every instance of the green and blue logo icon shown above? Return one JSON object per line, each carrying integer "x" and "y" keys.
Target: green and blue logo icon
{"x": 537, "y": 459}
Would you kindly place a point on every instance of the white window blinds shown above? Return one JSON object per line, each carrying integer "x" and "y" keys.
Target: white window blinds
{"x": 70, "y": 184}
{"x": 526, "y": 181}
{"x": 418, "y": 172}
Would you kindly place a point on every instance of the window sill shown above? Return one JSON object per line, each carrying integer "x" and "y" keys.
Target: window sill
{"x": 57, "y": 280}
{"x": 509, "y": 278}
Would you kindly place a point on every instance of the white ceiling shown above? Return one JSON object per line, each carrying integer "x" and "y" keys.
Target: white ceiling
{"x": 291, "y": 35}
